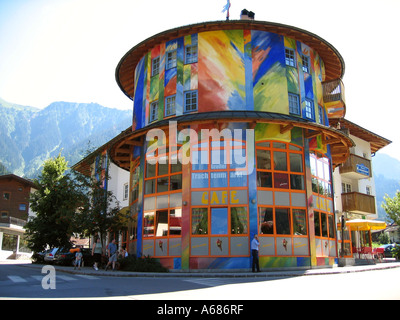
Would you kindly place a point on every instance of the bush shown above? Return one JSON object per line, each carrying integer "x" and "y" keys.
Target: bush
{"x": 396, "y": 252}
{"x": 145, "y": 264}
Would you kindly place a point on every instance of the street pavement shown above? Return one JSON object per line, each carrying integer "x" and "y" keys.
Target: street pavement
{"x": 387, "y": 264}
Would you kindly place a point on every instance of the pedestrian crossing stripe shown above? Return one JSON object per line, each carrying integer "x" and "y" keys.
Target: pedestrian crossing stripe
{"x": 17, "y": 279}
{"x": 209, "y": 282}
{"x": 86, "y": 276}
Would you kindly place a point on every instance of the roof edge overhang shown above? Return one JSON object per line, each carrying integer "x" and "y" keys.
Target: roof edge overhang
{"x": 334, "y": 63}
{"x": 121, "y": 150}
{"x": 376, "y": 141}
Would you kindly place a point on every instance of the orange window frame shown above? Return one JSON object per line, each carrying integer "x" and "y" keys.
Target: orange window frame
{"x": 228, "y": 148}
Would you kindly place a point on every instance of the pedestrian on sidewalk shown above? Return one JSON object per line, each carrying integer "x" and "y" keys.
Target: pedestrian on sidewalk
{"x": 78, "y": 259}
{"x": 97, "y": 250}
{"x": 255, "y": 244}
{"x": 112, "y": 254}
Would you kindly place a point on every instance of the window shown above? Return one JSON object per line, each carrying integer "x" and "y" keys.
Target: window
{"x": 277, "y": 221}
{"x": 294, "y": 104}
{"x": 155, "y": 66}
{"x": 290, "y": 57}
{"x": 190, "y": 101}
{"x": 171, "y": 59}
{"x": 4, "y": 214}
{"x": 191, "y": 53}
{"x": 126, "y": 191}
{"x": 153, "y": 111}
{"x": 346, "y": 187}
{"x": 279, "y": 166}
{"x": 305, "y": 63}
{"x": 162, "y": 176}
{"x": 6, "y": 196}
{"x": 170, "y": 106}
{"x": 309, "y": 109}
{"x": 22, "y": 207}
{"x": 199, "y": 221}
{"x": 320, "y": 173}
{"x": 321, "y": 114}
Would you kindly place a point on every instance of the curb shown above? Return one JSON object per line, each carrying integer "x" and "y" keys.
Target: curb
{"x": 244, "y": 274}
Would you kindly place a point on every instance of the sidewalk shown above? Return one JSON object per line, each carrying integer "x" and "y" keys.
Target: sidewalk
{"x": 212, "y": 274}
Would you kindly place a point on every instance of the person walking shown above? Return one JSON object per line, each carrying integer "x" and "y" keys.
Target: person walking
{"x": 112, "y": 254}
{"x": 255, "y": 244}
{"x": 97, "y": 250}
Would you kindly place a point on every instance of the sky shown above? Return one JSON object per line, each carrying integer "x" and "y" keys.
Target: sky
{"x": 68, "y": 50}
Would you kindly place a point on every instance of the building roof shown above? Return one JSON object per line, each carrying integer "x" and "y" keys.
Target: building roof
{"x": 24, "y": 181}
{"x": 340, "y": 143}
{"x": 377, "y": 142}
{"x": 333, "y": 61}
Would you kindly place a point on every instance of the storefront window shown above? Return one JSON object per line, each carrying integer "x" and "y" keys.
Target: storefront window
{"x": 299, "y": 222}
{"x": 266, "y": 218}
{"x": 148, "y": 224}
{"x": 199, "y": 221}
{"x": 317, "y": 226}
{"x": 175, "y": 222}
{"x": 239, "y": 220}
{"x": 282, "y": 217}
{"x": 219, "y": 221}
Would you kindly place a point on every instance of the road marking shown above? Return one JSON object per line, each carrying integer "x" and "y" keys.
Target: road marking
{"x": 85, "y": 276}
{"x": 66, "y": 278}
{"x": 16, "y": 279}
{"x": 209, "y": 282}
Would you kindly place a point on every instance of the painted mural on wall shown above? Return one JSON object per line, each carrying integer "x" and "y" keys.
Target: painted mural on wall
{"x": 233, "y": 70}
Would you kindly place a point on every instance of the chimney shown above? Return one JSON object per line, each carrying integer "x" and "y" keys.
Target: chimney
{"x": 246, "y": 15}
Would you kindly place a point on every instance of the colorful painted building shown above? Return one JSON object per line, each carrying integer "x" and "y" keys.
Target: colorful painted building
{"x": 231, "y": 137}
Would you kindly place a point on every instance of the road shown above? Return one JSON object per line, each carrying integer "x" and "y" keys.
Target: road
{"x": 24, "y": 282}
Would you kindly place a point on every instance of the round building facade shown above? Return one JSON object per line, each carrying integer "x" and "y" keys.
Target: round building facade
{"x": 231, "y": 138}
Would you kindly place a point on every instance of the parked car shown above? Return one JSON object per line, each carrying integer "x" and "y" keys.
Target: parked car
{"x": 49, "y": 255}
{"x": 388, "y": 250}
{"x": 38, "y": 257}
{"x": 67, "y": 258}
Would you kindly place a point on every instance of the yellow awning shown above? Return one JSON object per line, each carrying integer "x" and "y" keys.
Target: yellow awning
{"x": 365, "y": 225}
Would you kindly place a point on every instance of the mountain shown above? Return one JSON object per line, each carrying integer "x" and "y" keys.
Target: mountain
{"x": 386, "y": 171}
{"x": 29, "y": 136}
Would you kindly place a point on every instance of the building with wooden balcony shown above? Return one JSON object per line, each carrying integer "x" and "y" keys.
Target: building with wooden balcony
{"x": 232, "y": 137}
{"x": 14, "y": 213}
{"x": 355, "y": 195}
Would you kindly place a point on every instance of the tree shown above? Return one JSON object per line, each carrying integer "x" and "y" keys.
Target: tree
{"x": 100, "y": 213}
{"x": 392, "y": 207}
{"x": 55, "y": 203}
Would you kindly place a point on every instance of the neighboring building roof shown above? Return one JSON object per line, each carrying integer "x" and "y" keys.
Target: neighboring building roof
{"x": 333, "y": 61}
{"x": 377, "y": 142}
{"x": 83, "y": 166}
{"x": 19, "y": 179}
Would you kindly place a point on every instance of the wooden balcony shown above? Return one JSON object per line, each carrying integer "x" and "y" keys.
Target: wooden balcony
{"x": 356, "y": 202}
{"x": 334, "y": 98}
{"x": 356, "y": 167}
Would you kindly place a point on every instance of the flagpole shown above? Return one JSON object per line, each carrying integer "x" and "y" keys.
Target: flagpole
{"x": 226, "y": 8}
